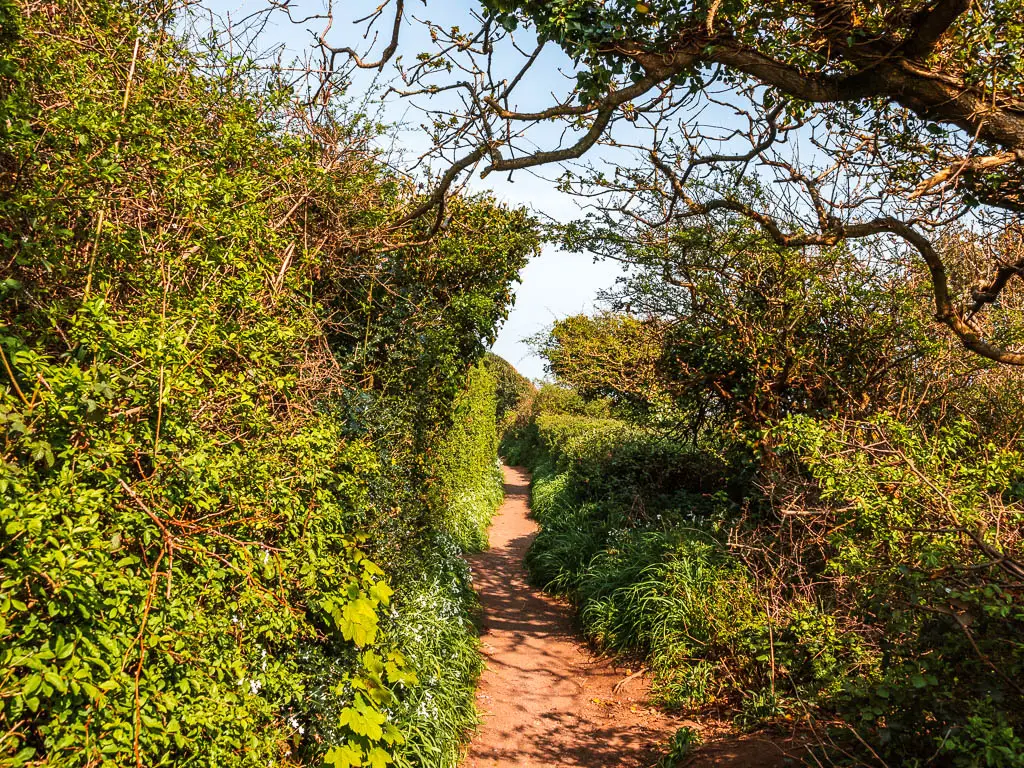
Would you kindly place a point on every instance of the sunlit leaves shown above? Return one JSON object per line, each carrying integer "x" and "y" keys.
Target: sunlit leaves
{"x": 364, "y": 720}
{"x": 199, "y": 482}
{"x": 358, "y": 621}
{"x": 344, "y": 756}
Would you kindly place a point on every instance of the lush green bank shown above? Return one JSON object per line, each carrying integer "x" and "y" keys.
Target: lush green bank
{"x": 232, "y": 513}
{"x": 828, "y": 619}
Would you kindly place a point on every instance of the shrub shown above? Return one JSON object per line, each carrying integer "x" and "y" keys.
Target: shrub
{"x": 874, "y": 584}
{"x": 514, "y": 392}
{"x": 627, "y": 534}
{"x": 920, "y": 539}
{"x": 213, "y": 427}
{"x": 470, "y": 482}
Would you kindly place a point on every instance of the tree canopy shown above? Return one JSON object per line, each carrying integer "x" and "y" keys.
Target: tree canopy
{"x": 860, "y": 120}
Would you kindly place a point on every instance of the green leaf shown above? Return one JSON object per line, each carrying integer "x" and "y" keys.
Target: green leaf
{"x": 378, "y": 758}
{"x": 31, "y": 685}
{"x": 359, "y": 622}
{"x": 345, "y": 756}
{"x": 381, "y": 592}
{"x": 24, "y": 755}
{"x": 56, "y": 681}
{"x": 363, "y": 719}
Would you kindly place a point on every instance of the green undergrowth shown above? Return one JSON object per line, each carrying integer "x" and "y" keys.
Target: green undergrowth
{"x": 666, "y": 562}
{"x": 632, "y": 530}
{"x": 513, "y": 391}
{"x": 224, "y": 386}
{"x": 433, "y": 627}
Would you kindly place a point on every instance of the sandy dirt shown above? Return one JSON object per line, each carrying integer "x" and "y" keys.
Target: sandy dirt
{"x": 545, "y": 699}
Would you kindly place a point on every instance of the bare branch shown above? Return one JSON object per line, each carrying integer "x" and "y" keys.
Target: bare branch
{"x": 354, "y": 56}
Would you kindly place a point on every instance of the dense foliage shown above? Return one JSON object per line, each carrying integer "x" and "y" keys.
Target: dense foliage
{"x": 876, "y": 611}
{"x": 719, "y": 327}
{"x": 228, "y": 392}
{"x": 247, "y": 427}
{"x": 808, "y": 507}
{"x": 514, "y": 392}
{"x": 470, "y": 484}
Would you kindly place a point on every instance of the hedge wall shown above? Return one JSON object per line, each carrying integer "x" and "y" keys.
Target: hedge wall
{"x": 838, "y": 599}
{"x": 223, "y": 380}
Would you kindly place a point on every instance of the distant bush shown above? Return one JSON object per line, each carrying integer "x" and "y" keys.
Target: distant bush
{"x": 520, "y": 437}
{"x": 554, "y": 399}
{"x": 513, "y": 391}
{"x": 470, "y": 482}
{"x": 612, "y": 460}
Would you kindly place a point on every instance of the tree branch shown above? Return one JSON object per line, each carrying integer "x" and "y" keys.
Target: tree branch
{"x": 931, "y": 24}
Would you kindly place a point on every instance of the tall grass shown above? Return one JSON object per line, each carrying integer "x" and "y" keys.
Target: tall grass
{"x": 663, "y": 590}
{"x": 432, "y": 626}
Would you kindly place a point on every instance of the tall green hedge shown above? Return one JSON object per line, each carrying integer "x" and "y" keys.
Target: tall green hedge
{"x": 470, "y": 481}
{"x": 514, "y": 392}
{"x": 221, "y": 379}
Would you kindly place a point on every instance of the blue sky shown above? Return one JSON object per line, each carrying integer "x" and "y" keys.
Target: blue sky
{"x": 555, "y": 283}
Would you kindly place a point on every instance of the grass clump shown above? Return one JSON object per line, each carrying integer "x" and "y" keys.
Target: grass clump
{"x": 680, "y": 748}
{"x": 433, "y": 628}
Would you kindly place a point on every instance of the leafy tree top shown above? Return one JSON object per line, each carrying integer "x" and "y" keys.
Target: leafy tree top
{"x": 861, "y": 120}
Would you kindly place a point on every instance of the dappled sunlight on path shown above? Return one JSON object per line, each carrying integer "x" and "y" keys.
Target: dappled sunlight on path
{"x": 544, "y": 698}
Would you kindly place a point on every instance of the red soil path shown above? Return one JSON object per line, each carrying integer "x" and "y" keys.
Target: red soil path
{"x": 544, "y": 698}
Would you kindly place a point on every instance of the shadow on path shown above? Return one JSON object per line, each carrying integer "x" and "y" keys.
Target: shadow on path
{"x": 545, "y": 699}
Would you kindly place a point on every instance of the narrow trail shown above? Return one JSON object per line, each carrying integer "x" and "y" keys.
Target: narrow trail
{"x": 545, "y": 699}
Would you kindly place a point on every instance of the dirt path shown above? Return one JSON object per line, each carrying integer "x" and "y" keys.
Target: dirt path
{"x": 546, "y": 701}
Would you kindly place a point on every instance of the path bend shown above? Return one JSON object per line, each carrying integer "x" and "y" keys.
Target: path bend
{"x": 544, "y": 698}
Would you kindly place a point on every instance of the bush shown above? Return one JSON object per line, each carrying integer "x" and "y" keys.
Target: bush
{"x": 887, "y": 603}
{"x": 514, "y": 392}
{"x": 470, "y": 483}
{"x": 217, "y": 546}
{"x": 629, "y": 536}
{"x": 920, "y": 541}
